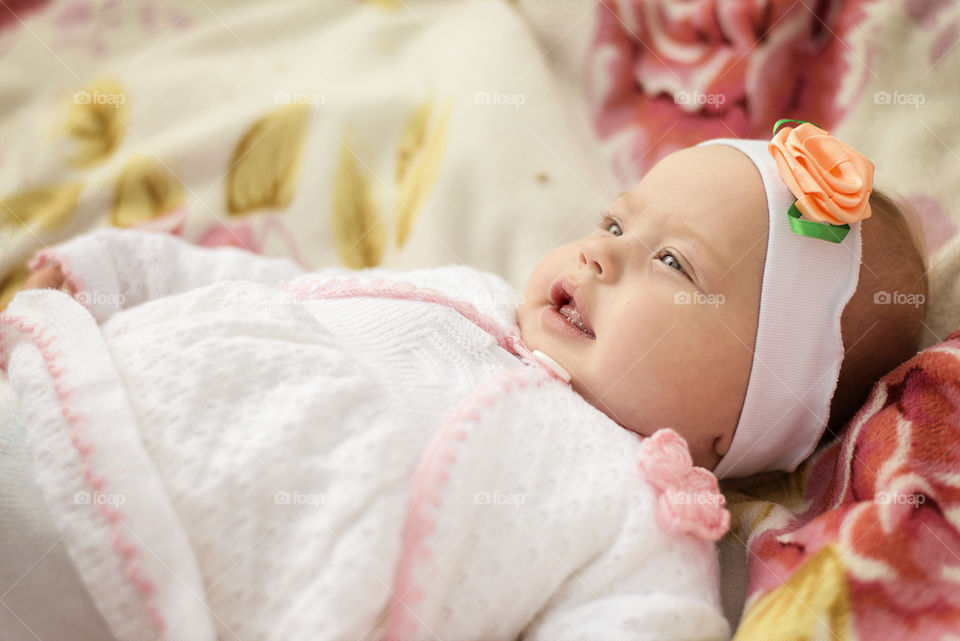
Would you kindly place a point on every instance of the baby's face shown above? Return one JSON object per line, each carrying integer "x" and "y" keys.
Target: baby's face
{"x": 669, "y": 284}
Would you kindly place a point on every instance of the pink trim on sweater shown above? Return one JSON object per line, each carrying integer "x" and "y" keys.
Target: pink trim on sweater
{"x": 52, "y": 256}
{"x": 351, "y": 286}
{"x": 690, "y": 500}
{"x": 432, "y": 474}
{"x": 126, "y": 548}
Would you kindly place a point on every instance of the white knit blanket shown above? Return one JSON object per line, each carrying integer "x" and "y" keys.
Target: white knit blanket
{"x": 232, "y": 448}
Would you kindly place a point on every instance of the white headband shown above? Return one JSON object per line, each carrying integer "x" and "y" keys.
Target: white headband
{"x": 796, "y": 361}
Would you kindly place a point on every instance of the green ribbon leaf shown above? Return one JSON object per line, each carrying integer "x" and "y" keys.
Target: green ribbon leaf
{"x": 823, "y": 231}
{"x": 777, "y": 124}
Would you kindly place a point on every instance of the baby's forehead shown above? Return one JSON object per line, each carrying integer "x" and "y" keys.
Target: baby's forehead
{"x": 713, "y": 164}
{"x": 712, "y": 196}
{"x": 714, "y": 180}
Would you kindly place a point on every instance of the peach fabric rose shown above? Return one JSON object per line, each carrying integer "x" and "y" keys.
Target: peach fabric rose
{"x": 831, "y": 180}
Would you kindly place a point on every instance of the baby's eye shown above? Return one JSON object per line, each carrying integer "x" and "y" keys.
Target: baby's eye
{"x": 670, "y": 260}
{"x": 606, "y": 222}
{"x": 667, "y": 258}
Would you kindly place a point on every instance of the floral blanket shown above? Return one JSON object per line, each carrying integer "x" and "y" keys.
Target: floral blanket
{"x": 863, "y": 541}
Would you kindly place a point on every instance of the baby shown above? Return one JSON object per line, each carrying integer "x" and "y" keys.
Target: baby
{"x": 669, "y": 289}
{"x": 443, "y": 463}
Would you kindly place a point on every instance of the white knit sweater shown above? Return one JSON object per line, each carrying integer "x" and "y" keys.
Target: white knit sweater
{"x": 233, "y": 448}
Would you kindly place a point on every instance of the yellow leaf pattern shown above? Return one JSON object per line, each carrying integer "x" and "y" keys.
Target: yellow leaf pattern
{"x": 266, "y": 162}
{"x": 359, "y": 233}
{"x": 418, "y": 160}
{"x": 146, "y": 189}
{"x": 96, "y": 122}
{"x": 411, "y": 140}
{"x": 12, "y": 284}
{"x": 813, "y": 604}
{"x": 46, "y": 208}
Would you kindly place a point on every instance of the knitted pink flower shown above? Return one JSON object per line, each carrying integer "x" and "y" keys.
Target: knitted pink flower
{"x": 690, "y": 500}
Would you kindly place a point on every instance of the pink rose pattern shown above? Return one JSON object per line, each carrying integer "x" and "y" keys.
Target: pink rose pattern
{"x": 667, "y": 74}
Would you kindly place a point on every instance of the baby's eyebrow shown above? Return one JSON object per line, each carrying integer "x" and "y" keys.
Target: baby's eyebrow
{"x": 624, "y": 202}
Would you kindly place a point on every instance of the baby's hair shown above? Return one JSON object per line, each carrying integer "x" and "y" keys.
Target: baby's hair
{"x": 883, "y": 322}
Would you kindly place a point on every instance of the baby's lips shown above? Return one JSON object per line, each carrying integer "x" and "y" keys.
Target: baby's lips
{"x": 565, "y": 289}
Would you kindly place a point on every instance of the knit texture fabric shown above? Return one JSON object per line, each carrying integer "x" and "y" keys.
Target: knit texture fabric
{"x": 233, "y": 448}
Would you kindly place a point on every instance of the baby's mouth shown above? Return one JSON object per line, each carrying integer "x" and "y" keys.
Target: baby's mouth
{"x": 569, "y": 311}
{"x": 567, "y": 298}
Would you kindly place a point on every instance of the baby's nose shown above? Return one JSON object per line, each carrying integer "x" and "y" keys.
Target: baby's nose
{"x": 591, "y": 261}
